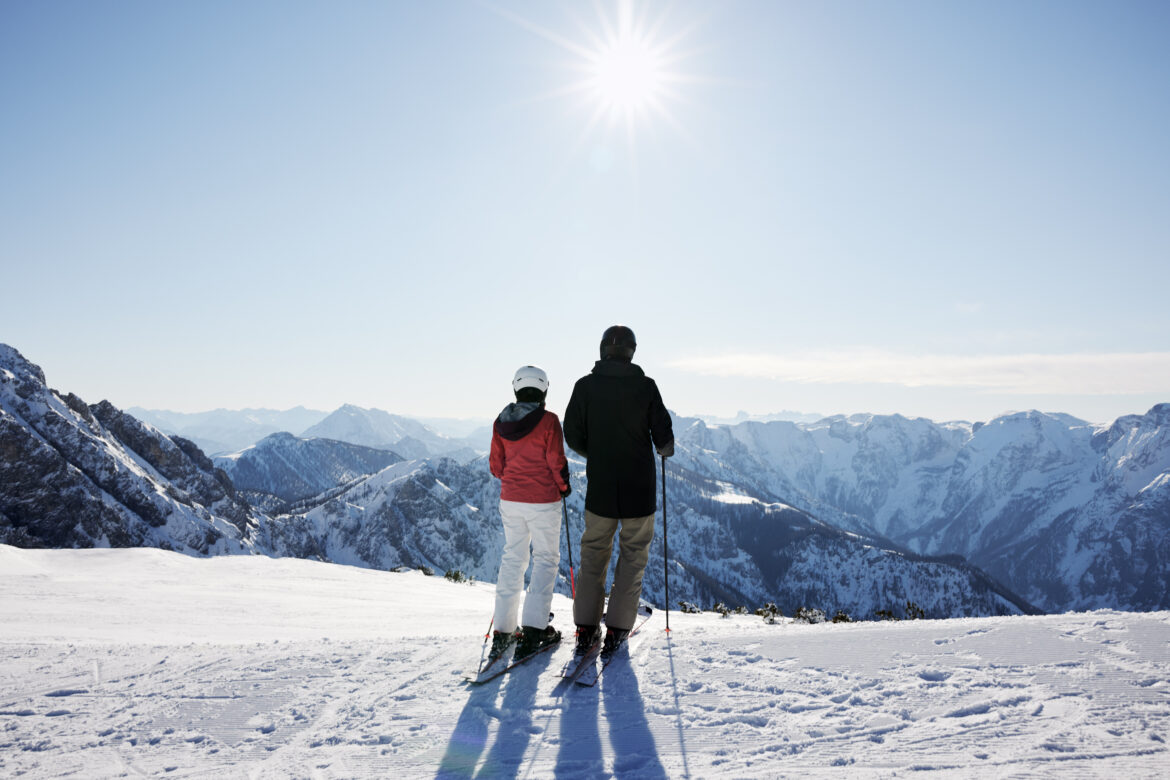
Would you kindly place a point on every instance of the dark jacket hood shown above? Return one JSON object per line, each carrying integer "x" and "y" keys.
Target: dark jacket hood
{"x": 517, "y": 420}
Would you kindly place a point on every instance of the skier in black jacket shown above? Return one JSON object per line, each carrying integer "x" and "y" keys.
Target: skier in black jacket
{"x": 616, "y": 420}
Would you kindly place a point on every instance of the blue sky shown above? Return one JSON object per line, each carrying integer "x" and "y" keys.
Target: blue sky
{"x": 938, "y": 209}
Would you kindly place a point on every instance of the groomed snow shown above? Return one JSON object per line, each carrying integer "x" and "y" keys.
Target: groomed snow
{"x": 127, "y": 663}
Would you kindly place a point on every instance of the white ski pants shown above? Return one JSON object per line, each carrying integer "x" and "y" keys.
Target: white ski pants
{"x": 540, "y": 526}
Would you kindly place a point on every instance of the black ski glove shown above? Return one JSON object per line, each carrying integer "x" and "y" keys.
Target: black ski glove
{"x": 666, "y": 450}
{"x": 565, "y": 493}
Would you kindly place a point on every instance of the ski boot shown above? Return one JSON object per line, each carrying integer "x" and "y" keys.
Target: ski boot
{"x": 501, "y": 641}
{"x": 614, "y": 638}
{"x": 587, "y": 636}
{"x": 532, "y": 639}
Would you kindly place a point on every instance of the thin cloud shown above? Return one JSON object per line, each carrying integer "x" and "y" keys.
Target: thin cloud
{"x": 1033, "y": 374}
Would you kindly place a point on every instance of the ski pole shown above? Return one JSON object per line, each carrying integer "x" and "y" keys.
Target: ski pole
{"x": 569, "y": 547}
{"x": 489, "y": 631}
{"x": 665, "y": 547}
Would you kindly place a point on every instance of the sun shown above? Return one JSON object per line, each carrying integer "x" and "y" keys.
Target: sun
{"x": 625, "y": 63}
{"x": 627, "y": 78}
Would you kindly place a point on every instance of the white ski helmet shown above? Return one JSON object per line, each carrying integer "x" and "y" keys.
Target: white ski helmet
{"x": 530, "y": 376}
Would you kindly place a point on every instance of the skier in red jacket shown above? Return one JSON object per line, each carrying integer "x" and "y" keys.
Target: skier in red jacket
{"x": 528, "y": 457}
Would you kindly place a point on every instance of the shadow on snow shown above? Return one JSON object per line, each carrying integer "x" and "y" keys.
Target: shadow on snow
{"x": 515, "y": 731}
{"x": 581, "y": 752}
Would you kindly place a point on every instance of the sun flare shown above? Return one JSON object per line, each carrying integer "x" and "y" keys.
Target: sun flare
{"x": 626, "y": 64}
{"x": 627, "y": 77}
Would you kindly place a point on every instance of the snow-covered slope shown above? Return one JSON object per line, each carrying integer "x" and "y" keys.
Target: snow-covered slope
{"x": 281, "y": 469}
{"x": 432, "y": 513}
{"x": 117, "y": 663}
{"x": 73, "y": 475}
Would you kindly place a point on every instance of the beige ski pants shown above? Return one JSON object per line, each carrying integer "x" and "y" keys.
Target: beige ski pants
{"x": 596, "y": 550}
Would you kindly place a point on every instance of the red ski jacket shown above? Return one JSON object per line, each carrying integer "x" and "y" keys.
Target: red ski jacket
{"x": 528, "y": 455}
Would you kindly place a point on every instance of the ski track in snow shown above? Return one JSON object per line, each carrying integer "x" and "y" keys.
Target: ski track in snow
{"x": 1084, "y": 694}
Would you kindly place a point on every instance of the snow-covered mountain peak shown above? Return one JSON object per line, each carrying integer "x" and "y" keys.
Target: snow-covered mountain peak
{"x": 77, "y": 475}
{"x": 1046, "y": 421}
{"x": 281, "y": 469}
{"x": 26, "y": 375}
{"x": 278, "y": 439}
{"x": 405, "y": 436}
{"x": 1131, "y": 425}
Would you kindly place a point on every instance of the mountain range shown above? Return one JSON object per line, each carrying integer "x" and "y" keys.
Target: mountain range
{"x": 407, "y": 437}
{"x": 229, "y": 430}
{"x": 1070, "y": 515}
{"x": 226, "y": 431}
{"x": 282, "y": 469}
{"x": 857, "y": 514}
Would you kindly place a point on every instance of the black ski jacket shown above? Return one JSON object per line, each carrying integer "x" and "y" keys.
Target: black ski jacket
{"x": 616, "y": 419}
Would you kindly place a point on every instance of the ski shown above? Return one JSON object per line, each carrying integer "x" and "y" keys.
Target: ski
{"x": 589, "y": 673}
{"x": 494, "y": 667}
{"x": 578, "y": 662}
{"x": 506, "y": 662}
{"x": 490, "y": 664}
